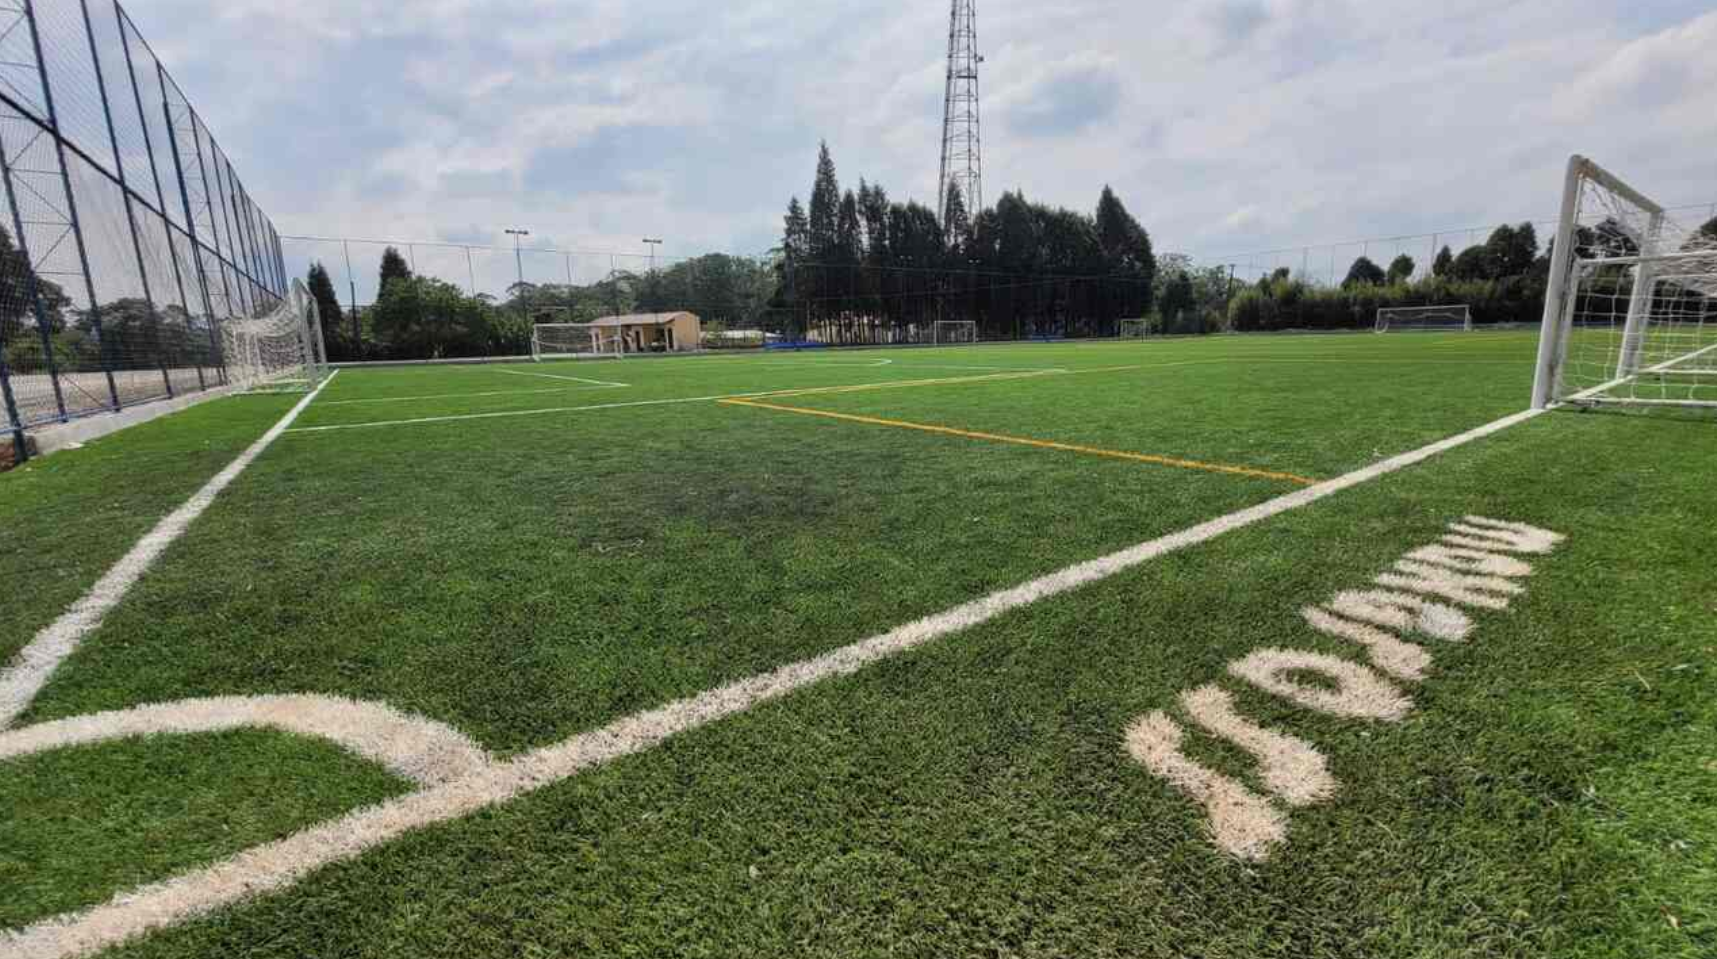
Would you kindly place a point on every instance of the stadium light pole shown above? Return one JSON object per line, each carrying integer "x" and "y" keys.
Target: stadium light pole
{"x": 519, "y": 265}
{"x": 653, "y": 242}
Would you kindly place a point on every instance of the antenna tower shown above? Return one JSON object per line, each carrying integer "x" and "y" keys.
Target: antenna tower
{"x": 962, "y": 155}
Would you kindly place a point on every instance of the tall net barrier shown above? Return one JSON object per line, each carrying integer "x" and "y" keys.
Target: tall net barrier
{"x": 127, "y": 240}
{"x": 1630, "y": 316}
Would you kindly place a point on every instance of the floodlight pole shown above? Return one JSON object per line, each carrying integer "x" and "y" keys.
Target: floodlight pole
{"x": 653, "y": 242}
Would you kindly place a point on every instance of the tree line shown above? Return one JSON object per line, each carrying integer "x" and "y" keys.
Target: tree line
{"x": 858, "y": 267}
{"x": 423, "y": 317}
{"x": 1501, "y": 280}
{"x": 127, "y": 333}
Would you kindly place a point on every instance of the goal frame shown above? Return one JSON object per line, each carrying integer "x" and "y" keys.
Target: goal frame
{"x": 280, "y": 351}
{"x": 601, "y": 345}
{"x": 1456, "y": 312}
{"x": 1655, "y": 260}
{"x": 940, "y": 326}
{"x": 1142, "y": 325}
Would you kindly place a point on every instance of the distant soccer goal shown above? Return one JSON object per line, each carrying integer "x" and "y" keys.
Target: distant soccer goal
{"x": 280, "y": 351}
{"x": 1404, "y": 319}
{"x": 954, "y": 331}
{"x": 1629, "y": 316}
{"x": 551, "y": 341}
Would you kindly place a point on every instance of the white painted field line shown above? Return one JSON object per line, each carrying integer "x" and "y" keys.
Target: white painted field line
{"x": 279, "y": 864}
{"x": 882, "y": 384}
{"x": 460, "y": 396}
{"x": 559, "y": 376}
{"x": 20, "y": 681}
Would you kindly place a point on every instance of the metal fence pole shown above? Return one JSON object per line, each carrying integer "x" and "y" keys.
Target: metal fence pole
{"x": 71, "y": 199}
{"x": 202, "y": 279}
{"x": 352, "y": 289}
{"x": 215, "y": 246}
{"x": 34, "y": 291}
{"x": 20, "y": 446}
{"x": 125, "y": 193}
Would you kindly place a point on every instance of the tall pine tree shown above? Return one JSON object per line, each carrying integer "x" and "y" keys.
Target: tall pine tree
{"x": 394, "y": 267}
{"x": 327, "y": 307}
{"x": 825, "y": 207}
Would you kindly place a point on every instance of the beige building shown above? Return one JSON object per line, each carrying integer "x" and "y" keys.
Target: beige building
{"x": 647, "y": 333}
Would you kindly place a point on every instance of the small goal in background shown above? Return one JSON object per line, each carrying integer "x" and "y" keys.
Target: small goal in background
{"x": 946, "y": 332}
{"x": 1456, "y": 318}
{"x": 1134, "y": 329}
{"x": 573, "y": 341}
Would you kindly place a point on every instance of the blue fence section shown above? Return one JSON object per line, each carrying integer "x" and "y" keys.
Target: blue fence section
{"x": 126, "y": 236}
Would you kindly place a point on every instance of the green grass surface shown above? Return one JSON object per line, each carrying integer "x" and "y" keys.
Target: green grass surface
{"x": 529, "y": 576}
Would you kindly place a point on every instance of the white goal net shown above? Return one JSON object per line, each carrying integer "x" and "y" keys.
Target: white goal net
{"x": 1629, "y": 316}
{"x": 1457, "y": 318}
{"x": 954, "y": 331}
{"x": 280, "y": 351}
{"x": 573, "y": 340}
{"x": 1135, "y": 329}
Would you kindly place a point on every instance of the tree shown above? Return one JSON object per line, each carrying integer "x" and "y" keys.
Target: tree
{"x": 18, "y": 279}
{"x": 1703, "y": 238}
{"x": 873, "y": 211}
{"x": 825, "y": 207}
{"x": 1444, "y": 263}
{"x": 1474, "y": 263}
{"x": 1363, "y": 272}
{"x": 327, "y": 304}
{"x": 849, "y": 236}
{"x": 424, "y": 318}
{"x": 956, "y": 223}
{"x": 1510, "y": 251}
{"x": 1126, "y": 251}
{"x": 1400, "y": 269}
{"x": 394, "y": 267}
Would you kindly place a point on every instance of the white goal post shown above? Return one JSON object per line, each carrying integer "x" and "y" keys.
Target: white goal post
{"x": 1456, "y": 317}
{"x": 280, "y": 351}
{"x": 1630, "y": 313}
{"x": 574, "y": 341}
{"x": 1134, "y": 329}
{"x": 944, "y": 332}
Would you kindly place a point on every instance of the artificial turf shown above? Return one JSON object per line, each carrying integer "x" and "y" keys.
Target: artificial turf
{"x": 529, "y": 576}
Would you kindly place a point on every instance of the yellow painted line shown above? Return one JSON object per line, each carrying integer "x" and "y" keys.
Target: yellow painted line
{"x": 1040, "y": 444}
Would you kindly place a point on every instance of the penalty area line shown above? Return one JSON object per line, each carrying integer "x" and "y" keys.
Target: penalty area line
{"x": 277, "y": 865}
{"x": 36, "y": 662}
{"x": 560, "y": 376}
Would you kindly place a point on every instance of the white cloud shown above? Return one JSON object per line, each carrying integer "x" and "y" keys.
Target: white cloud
{"x": 1225, "y": 126}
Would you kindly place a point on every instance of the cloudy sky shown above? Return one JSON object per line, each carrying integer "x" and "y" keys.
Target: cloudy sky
{"x": 1225, "y": 125}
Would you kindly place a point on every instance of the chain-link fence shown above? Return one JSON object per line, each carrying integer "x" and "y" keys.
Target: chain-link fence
{"x": 1327, "y": 264}
{"x": 126, "y": 238}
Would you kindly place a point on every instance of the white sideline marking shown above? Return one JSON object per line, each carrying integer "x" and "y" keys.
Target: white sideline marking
{"x": 278, "y": 864}
{"x": 558, "y": 376}
{"x": 25, "y": 677}
{"x": 422, "y": 750}
{"x": 810, "y": 362}
{"x": 461, "y": 396}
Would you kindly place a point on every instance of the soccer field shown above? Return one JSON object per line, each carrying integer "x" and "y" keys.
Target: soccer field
{"x": 1017, "y": 650}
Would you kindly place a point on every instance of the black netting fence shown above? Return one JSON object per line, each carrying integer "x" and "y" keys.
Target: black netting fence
{"x": 126, "y": 238}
